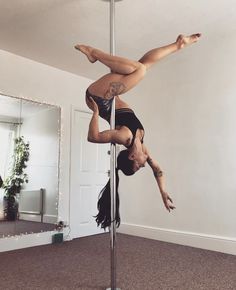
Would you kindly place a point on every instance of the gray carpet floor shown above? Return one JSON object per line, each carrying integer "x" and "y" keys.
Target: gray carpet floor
{"x": 142, "y": 264}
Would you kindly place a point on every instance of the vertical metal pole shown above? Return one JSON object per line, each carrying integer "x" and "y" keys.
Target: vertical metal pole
{"x": 113, "y": 162}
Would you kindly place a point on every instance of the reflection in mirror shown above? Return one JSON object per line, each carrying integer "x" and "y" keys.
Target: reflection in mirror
{"x": 28, "y": 166}
{"x": 9, "y": 131}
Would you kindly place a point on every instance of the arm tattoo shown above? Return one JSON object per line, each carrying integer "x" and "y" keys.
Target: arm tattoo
{"x": 149, "y": 160}
{"x": 158, "y": 173}
{"x": 115, "y": 88}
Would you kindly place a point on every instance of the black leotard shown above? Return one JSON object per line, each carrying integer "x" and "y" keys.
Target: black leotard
{"x": 126, "y": 117}
{"x": 123, "y": 117}
{"x": 104, "y": 106}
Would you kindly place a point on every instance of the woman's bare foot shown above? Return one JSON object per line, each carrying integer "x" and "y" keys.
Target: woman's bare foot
{"x": 87, "y": 50}
{"x": 182, "y": 41}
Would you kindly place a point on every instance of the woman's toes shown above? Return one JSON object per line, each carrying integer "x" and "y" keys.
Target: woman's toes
{"x": 195, "y": 37}
{"x": 87, "y": 50}
{"x": 183, "y": 41}
{"x": 77, "y": 46}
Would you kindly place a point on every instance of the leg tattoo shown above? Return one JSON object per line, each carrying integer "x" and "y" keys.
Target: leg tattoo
{"x": 115, "y": 89}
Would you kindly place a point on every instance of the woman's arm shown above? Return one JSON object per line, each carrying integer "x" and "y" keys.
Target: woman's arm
{"x": 107, "y": 136}
{"x": 159, "y": 176}
{"x": 158, "y": 173}
{"x": 120, "y": 136}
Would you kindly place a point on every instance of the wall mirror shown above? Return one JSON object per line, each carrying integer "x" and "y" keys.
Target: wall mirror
{"x": 29, "y": 166}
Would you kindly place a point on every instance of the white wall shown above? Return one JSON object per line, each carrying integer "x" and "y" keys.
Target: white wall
{"x": 28, "y": 79}
{"x": 189, "y": 117}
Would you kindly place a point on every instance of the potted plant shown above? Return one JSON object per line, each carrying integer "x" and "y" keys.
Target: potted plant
{"x": 13, "y": 184}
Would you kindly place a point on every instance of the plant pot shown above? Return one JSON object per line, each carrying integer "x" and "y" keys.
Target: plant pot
{"x": 12, "y": 216}
{"x": 10, "y": 208}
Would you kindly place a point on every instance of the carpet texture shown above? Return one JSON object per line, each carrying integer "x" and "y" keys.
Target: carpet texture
{"x": 142, "y": 264}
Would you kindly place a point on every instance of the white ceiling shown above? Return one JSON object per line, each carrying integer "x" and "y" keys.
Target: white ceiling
{"x": 46, "y": 30}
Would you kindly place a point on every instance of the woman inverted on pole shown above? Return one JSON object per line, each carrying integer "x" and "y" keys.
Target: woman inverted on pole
{"x": 125, "y": 74}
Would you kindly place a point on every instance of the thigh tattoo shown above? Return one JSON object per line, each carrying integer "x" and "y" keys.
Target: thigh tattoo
{"x": 115, "y": 88}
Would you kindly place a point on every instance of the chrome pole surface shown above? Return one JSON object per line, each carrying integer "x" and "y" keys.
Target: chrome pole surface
{"x": 113, "y": 162}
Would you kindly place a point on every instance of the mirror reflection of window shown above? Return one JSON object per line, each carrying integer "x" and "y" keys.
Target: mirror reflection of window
{"x": 9, "y": 128}
{"x": 40, "y": 128}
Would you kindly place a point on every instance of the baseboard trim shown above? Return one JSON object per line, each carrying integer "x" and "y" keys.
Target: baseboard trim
{"x": 50, "y": 219}
{"x": 198, "y": 240}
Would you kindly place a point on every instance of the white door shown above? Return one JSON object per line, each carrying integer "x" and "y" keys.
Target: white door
{"x": 89, "y": 166}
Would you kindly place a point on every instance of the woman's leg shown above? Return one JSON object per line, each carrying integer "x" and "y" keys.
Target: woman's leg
{"x": 154, "y": 55}
{"x": 124, "y": 76}
{"x": 114, "y": 84}
{"x": 117, "y": 64}
{"x": 127, "y": 73}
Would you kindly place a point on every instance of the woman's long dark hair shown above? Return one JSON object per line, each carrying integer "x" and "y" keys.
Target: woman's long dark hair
{"x": 103, "y": 217}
